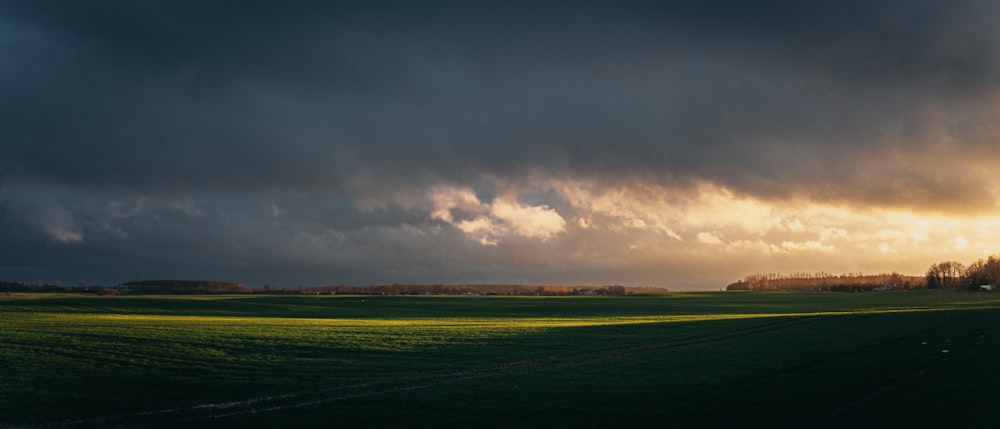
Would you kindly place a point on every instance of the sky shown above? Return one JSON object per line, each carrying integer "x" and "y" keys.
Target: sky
{"x": 674, "y": 144}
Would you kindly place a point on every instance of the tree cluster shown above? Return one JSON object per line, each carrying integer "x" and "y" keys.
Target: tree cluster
{"x": 55, "y": 287}
{"x": 940, "y": 275}
{"x": 200, "y": 287}
{"x": 148, "y": 287}
{"x": 955, "y": 275}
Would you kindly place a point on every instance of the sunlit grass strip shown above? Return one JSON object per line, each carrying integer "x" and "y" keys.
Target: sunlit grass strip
{"x": 451, "y": 322}
{"x": 443, "y": 323}
{"x": 236, "y": 336}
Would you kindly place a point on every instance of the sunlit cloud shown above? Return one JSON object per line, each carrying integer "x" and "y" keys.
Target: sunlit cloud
{"x": 541, "y": 222}
{"x": 810, "y": 245}
{"x": 620, "y": 208}
{"x": 708, "y": 238}
{"x": 711, "y": 223}
{"x": 490, "y": 222}
{"x": 961, "y": 243}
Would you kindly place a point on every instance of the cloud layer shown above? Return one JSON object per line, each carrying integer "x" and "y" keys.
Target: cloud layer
{"x": 631, "y": 142}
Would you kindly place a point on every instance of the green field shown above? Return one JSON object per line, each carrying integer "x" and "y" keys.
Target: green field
{"x": 680, "y": 360}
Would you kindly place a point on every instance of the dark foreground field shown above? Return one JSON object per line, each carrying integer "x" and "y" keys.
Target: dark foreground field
{"x": 817, "y": 360}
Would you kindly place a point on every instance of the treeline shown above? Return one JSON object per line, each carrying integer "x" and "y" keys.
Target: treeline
{"x": 146, "y": 287}
{"x": 200, "y": 287}
{"x": 55, "y": 287}
{"x": 181, "y": 287}
{"x": 822, "y": 281}
{"x": 445, "y": 289}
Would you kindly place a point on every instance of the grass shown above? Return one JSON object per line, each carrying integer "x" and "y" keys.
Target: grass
{"x": 689, "y": 360}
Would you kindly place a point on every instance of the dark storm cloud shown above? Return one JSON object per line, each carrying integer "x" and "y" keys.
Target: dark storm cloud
{"x": 244, "y": 95}
{"x": 259, "y": 238}
{"x": 225, "y": 127}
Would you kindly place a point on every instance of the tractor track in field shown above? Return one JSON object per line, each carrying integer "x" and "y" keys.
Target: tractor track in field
{"x": 404, "y": 382}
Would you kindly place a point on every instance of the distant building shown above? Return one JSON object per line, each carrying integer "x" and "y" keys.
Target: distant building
{"x": 986, "y": 287}
{"x": 885, "y": 288}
